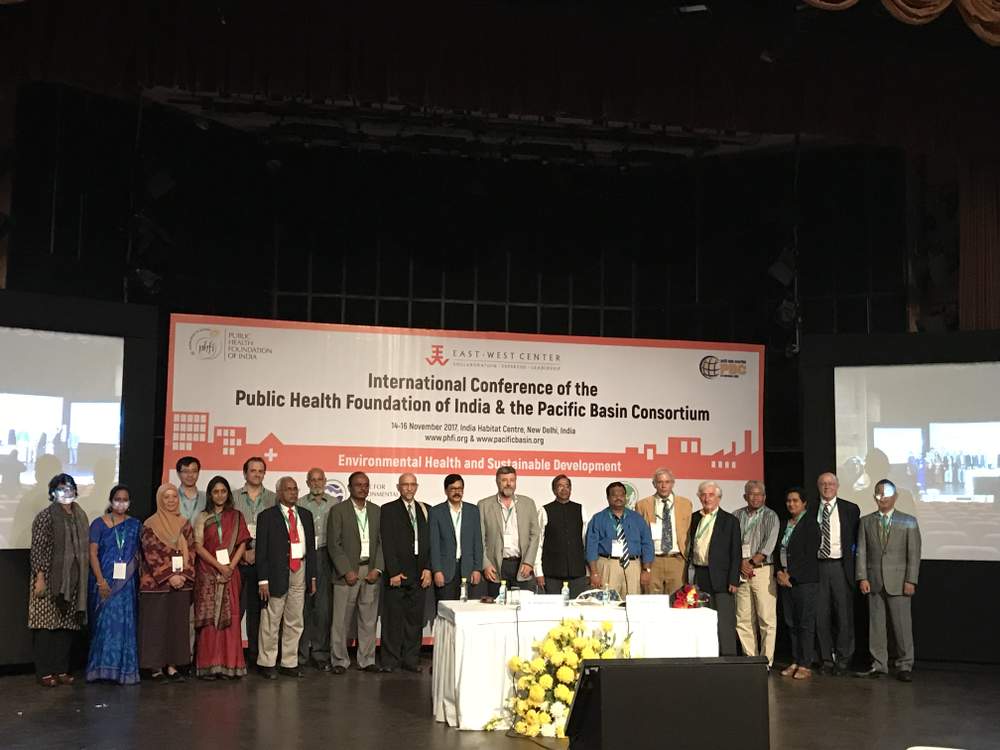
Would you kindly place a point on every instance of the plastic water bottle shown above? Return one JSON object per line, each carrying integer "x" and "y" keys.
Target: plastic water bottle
{"x": 502, "y": 596}
{"x": 464, "y": 596}
{"x": 565, "y": 593}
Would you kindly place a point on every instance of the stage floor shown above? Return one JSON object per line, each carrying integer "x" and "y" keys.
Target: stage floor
{"x": 946, "y": 706}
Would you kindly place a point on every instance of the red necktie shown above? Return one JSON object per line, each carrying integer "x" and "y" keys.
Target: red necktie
{"x": 293, "y": 537}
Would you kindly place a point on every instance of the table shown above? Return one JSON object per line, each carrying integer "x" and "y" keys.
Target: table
{"x": 474, "y": 641}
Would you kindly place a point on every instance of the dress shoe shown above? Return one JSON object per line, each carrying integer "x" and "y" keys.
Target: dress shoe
{"x": 291, "y": 672}
{"x": 338, "y": 670}
{"x": 871, "y": 674}
{"x": 48, "y": 681}
{"x": 267, "y": 673}
{"x": 789, "y": 670}
{"x": 905, "y": 676}
{"x": 802, "y": 673}
{"x": 65, "y": 679}
{"x": 175, "y": 676}
{"x": 416, "y": 668}
{"x": 385, "y": 670}
{"x": 370, "y": 668}
{"x": 322, "y": 666}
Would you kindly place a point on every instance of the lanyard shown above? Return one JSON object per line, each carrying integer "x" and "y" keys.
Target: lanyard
{"x": 362, "y": 526}
{"x": 507, "y": 513}
{"x": 218, "y": 527}
{"x": 257, "y": 504}
{"x": 666, "y": 509}
{"x": 619, "y": 522}
{"x": 751, "y": 522}
{"x": 412, "y": 511}
{"x": 120, "y": 539}
{"x": 706, "y": 524}
{"x": 789, "y": 529}
{"x": 457, "y": 522}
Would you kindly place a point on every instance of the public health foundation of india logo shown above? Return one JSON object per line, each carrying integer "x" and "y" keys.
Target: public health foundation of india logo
{"x": 437, "y": 355}
{"x": 205, "y": 343}
{"x": 709, "y": 366}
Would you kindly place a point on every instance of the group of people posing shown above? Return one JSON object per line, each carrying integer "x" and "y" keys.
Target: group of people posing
{"x": 308, "y": 572}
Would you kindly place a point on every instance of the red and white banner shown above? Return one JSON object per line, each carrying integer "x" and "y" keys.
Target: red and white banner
{"x": 387, "y": 400}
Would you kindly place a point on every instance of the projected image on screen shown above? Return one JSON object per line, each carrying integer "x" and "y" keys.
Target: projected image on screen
{"x": 935, "y": 431}
{"x": 60, "y": 411}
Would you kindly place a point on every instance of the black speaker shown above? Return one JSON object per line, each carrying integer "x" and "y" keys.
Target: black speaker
{"x": 683, "y": 704}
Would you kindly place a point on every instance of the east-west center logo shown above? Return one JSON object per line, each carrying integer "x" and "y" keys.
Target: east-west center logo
{"x": 437, "y": 355}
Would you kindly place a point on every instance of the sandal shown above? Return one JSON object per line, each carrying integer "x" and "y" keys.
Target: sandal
{"x": 48, "y": 680}
{"x": 789, "y": 671}
{"x": 65, "y": 679}
{"x": 802, "y": 673}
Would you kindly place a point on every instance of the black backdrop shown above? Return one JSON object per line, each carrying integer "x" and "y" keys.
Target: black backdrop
{"x": 137, "y": 325}
{"x": 954, "y": 612}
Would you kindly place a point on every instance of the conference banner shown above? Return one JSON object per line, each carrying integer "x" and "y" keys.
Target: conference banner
{"x": 387, "y": 401}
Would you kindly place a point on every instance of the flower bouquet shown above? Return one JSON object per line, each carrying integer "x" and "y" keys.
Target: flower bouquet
{"x": 689, "y": 597}
{"x": 544, "y": 684}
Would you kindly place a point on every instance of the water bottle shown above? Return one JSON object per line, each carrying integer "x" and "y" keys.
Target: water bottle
{"x": 502, "y": 596}
{"x": 565, "y": 593}
{"x": 464, "y": 596}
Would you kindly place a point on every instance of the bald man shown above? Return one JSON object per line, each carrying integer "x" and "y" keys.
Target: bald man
{"x": 407, "y": 553}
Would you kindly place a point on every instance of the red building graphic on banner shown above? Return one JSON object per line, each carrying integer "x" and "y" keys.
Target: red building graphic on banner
{"x": 225, "y": 448}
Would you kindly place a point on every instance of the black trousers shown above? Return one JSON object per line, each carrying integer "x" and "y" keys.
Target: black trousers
{"x": 452, "y": 590}
{"x": 51, "y": 651}
{"x": 553, "y": 585}
{"x": 834, "y": 607}
{"x": 722, "y": 602}
{"x": 798, "y": 604}
{"x": 250, "y": 606}
{"x": 402, "y": 621}
{"x": 508, "y": 572}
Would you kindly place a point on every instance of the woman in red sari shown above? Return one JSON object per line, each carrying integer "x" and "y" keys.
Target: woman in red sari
{"x": 220, "y": 538}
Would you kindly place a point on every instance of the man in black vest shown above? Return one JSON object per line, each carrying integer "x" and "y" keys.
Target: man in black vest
{"x": 560, "y": 553}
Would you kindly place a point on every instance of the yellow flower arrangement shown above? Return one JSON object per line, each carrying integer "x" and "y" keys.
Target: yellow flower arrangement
{"x": 543, "y": 683}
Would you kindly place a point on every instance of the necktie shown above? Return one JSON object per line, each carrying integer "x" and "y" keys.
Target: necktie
{"x": 620, "y": 534}
{"x": 293, "y": 536}
{"x": 667, "y": 537}
{"x": 884, "y": 530}
{"x": 824, "y": 548}
{"x": 413, "y": 521}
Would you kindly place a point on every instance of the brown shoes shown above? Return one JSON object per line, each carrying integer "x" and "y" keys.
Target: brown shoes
{"x": 789, "y": 670}
{"x": 48, "y": 681}
{"x": 802, "y": 673}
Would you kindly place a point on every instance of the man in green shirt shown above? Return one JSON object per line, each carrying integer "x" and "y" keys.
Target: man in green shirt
{"x": 250, "y": 500}
{"x": 315, "y": 641}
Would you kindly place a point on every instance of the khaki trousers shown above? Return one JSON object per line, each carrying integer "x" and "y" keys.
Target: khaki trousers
{"x": 667, "y": 574}
{"x": 361, "y": 598}
{"x": 757, "y": 613}
{"x": 624, "y": 581}
{"x": 283, "y": 618}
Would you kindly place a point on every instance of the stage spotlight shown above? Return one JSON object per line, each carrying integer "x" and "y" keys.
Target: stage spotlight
{"x": 692, "y": 8}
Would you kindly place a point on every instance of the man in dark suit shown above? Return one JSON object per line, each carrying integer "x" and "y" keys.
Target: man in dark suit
{"x": 352, "y": 542}
{"x": 456, "y": 543}
{"x": 286, "y": 567}
{"x": 713, "y": 547}
{"x": 888, "y": 568}
{"x": 407, "y": 552}
{"x": 838, "y": 522}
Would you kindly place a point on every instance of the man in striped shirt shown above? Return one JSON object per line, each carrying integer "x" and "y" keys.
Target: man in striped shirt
{"x": 757, "y": 594}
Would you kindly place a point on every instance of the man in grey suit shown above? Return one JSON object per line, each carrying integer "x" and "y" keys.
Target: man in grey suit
{"x": 456, "y": 543}
{"x": 888, "y": 564}
{"x": 510, "y": 535}
{"x": 353, "y": 544}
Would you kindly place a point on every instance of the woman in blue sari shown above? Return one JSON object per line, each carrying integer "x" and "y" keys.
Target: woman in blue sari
{"x": 114, "y": 566}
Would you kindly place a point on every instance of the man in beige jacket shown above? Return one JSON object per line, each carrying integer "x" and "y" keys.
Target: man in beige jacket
{"x": 669, "y": 518}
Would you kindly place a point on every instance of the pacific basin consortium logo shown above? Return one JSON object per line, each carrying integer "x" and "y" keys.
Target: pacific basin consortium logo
{"x": 335, "y": 489}
{"x": 712, "y": 367}
{"x": 205, "y": 343}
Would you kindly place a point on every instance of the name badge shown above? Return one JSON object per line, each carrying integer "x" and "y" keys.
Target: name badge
{"x": 119, "y": 572}
{"x": 177, "y": 564}
{"x": 508, "y": 541}
{"x": 222, "y": 555}
{"x": 746, "y": 552}
{"x": 656, "y": 529}
{"x": 252, "y": 528}
{"x": 298, "y": 550}
{"x": 617, "y": 548}
{"x": 364, "y": 549}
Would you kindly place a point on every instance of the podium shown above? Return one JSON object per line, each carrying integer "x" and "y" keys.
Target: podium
{"x": 683, "y": 704}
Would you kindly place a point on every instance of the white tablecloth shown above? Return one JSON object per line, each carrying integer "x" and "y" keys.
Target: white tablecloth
{"x": 474, "y": 641}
